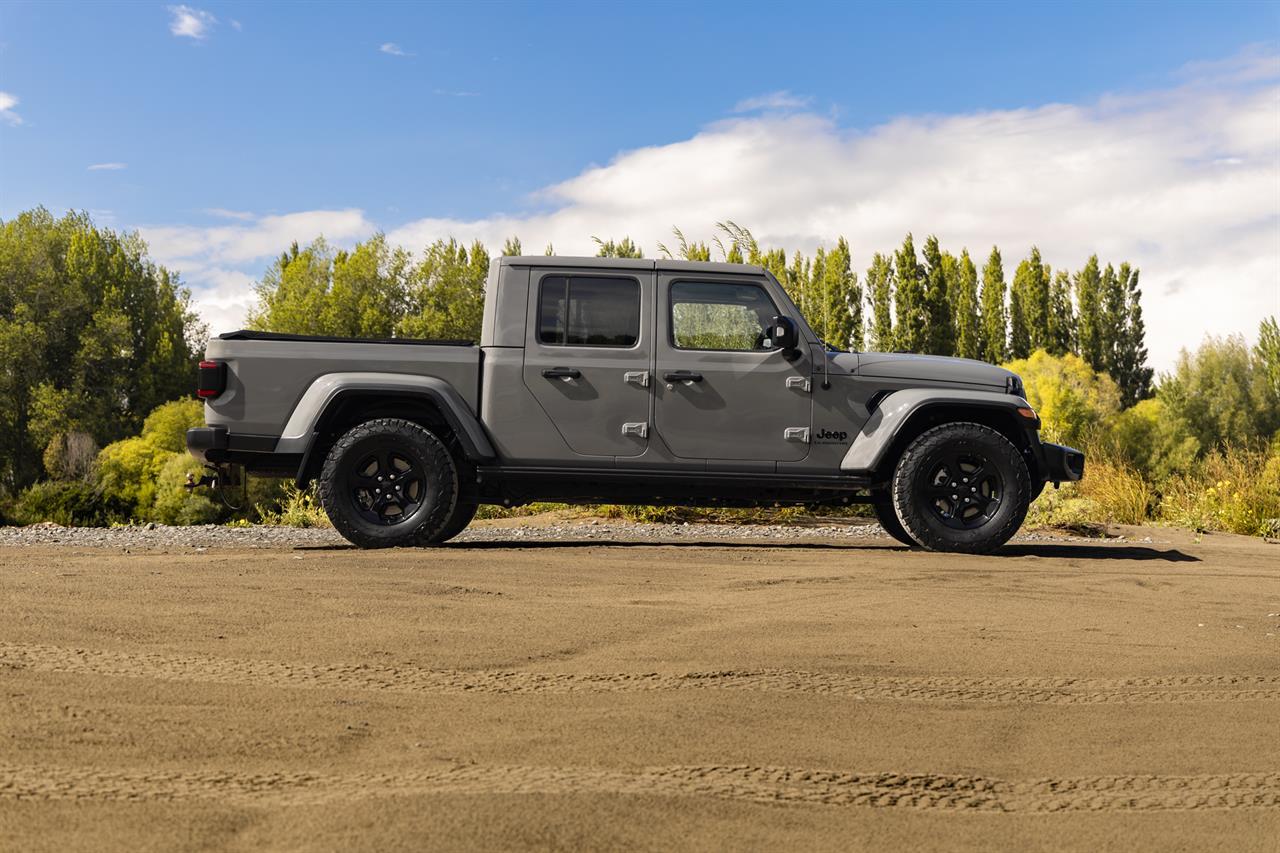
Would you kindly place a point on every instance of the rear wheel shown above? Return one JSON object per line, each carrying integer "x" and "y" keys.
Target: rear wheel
{"x": 961, "y": 487}
{"x": 389, "y": 483}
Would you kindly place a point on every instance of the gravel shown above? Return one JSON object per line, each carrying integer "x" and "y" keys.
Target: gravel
{"x": 160, "y": 536}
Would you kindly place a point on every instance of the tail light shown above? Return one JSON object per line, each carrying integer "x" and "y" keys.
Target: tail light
{"x": 212, "y": 379}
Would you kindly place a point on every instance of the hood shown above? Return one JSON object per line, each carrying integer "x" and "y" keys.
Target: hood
{"x": 885, "y": 365}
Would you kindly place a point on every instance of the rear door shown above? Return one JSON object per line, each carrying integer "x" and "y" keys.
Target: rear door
{"x": 721, "y": 390}
{"x": 587, "y": 357}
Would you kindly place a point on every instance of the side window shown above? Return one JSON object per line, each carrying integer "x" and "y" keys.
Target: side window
{"x": 720, "y": 316}
{"x": 589, "y": 311}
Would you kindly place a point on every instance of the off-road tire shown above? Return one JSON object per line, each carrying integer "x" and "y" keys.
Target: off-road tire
{"x": 942, "y": 525}
{"x": 410, "y": 444}
{"x": 465, "y": 508}
{"x": 882, "y": 503}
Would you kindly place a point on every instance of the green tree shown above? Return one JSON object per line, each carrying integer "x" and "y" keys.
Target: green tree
{"x": 511, "y": 247}
{"x": 446, "y": 292}
{"x": 968, "y": 322}
{"x": 1221, "y": 395}
{"x": 685, "y": 250}
{"x": 1019, "y": 333}
{"x": 1267, "y": 352}
{"x": 1073, "y": 400}
{"x": 911, "y": 331}
{"x": 93, "y": 335}
{"x": 1031, "y": 294}
{"x": 880, "y": 293}
{"x": 939, "y": 331}
{"x": 1129, "y": 353}
{"x": 624, "y": 248}
{"x": 1111, "y": 316}
{"x": 1089, "y": 336}
{"x": 842, "y": 299}
{"x": 994, "y": 331}
{"x": 1061, "y": 318}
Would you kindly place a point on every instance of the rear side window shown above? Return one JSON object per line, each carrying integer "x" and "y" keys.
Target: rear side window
{"x": 589, "y": 311}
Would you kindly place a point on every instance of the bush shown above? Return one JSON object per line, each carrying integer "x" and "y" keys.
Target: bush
{"x": 1074, "y": 402}
{"x": 175, "y": 504}
{"x": 1236, "y": 490}
{"x": 68, "y": 503}
{"x": 296, "y": 508}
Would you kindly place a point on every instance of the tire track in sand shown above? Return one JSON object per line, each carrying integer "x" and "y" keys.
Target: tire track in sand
{"x": 280, "y": 674}
{"x": 770, "y": 785}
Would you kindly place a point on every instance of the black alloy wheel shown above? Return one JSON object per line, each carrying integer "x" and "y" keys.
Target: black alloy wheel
{"x": 963, "y": 490}
{"x": 387, "y": 486}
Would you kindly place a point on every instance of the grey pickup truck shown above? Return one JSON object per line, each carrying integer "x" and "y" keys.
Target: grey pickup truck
{"x": 627, "y": 381}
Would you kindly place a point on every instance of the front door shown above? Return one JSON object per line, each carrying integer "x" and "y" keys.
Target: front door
{"x": 587, "y": 358}
{"x": 722, "y": 391}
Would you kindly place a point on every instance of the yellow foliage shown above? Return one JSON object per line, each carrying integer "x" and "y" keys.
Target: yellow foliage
{"x": 1072, "y": 399}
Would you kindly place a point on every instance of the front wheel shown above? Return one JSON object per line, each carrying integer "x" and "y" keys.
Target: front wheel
{"x": 961, "y": 487}
{"x": 389, "y": 483}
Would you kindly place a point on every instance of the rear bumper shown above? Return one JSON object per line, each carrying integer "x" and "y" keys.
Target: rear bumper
{"x": 201, "y": 441}
{"x": 216, "y": 446}
{"x": 1061, "y": 464}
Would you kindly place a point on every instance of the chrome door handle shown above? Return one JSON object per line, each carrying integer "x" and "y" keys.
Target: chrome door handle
{"x": 562, "y": 373}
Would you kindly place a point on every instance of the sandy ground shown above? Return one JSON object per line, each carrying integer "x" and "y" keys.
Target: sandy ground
{"x": 829, "y": 695}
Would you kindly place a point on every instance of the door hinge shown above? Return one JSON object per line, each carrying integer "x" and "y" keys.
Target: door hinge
{"x": 638, "y": 429}
{"x": 637, "y": 377}
{"x": 799, "y": 382}
{"x": 796, "y": 434}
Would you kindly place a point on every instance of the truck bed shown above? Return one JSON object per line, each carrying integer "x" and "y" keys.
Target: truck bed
{"x": 268, "y": 372}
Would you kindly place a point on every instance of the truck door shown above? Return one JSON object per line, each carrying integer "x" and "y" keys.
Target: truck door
{"x": 587, "y": 357}
{"x": 721, "y": 390}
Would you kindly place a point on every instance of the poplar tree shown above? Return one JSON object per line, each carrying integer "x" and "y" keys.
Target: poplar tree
{"x": 880, "y": 294}
{"x": 911, "y": 332}
{"x": 1111, "y": 314}
{"x": 939, "y": 330}
{"x": 624, "y": 248}
{"x": 511, "y": 248}
{"x": 813, "y": 307}
{"x": 1062, "y": 321}
{"x": 1019, "y": 335}
{"x": 965, "y": 301}
{"x": 994, "y": 332}
{"x": 1031, "y": 287}
{"x": 1131, "y": 371}
{"x": 841, "y": 299}
{"x": 1088, "y": 286}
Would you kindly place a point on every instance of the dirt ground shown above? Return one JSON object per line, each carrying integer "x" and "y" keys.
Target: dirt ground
{"x": 652, "y": 696}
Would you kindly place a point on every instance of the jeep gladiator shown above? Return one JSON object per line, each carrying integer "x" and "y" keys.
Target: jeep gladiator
{"x": 629, "y": 381}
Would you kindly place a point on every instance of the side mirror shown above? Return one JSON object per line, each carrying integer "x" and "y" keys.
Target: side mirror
{"x": 784, "y": 334}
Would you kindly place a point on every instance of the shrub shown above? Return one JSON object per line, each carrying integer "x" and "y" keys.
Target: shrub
{"x": 296, "y": 508}
{"x": 68, "y": 503}
{"x": 1074, "y": 401}
{"x": 175, "y": 504}
{"x": 1236, "y": 490}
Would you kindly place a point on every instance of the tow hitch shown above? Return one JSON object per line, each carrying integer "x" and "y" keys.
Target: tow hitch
{"x": 222, "y": 480}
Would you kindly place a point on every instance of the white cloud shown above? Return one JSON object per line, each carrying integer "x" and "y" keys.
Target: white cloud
{"x": 223, "y": 213}
{"x": 108, "y": 167}
{"x": 191, "y": 23}
{"x": 7, "y": 103}
{"x": 393, "y": 49}
{"x": 1182, "y": 182}
{"x": 779, "y": 100}
{"x": 236, "y": 25}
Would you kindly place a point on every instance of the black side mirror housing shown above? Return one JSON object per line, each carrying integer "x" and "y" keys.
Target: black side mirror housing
{"x": 784, "y": 334}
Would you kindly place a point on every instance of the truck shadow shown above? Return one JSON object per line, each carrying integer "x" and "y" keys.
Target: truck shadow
{"x": 1048, "y": 550}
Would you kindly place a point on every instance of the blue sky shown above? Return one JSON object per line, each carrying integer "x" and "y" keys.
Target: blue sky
{"x": 477, "y": 115}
